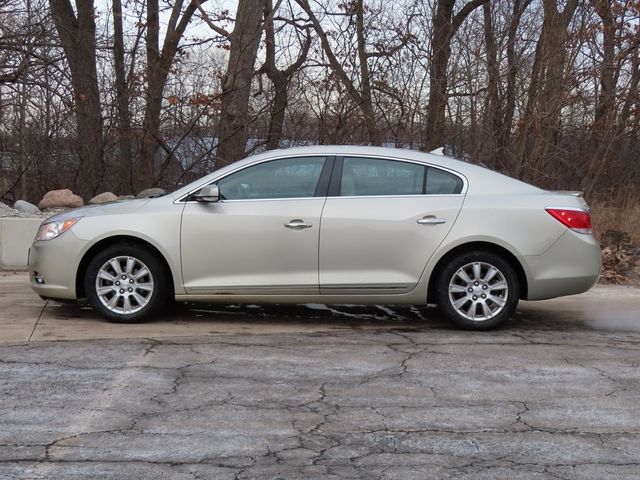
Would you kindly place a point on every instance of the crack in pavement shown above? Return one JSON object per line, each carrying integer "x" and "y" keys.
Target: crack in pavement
{"x": 360, "y": 404}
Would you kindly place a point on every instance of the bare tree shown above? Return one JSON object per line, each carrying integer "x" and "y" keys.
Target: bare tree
{"x": 236, "y": 82}
{"x": 280, "y": 78}
{"x": 445, "y": 26}
{"x": 361, "y": 95}
{"x": 78, "y": 37}
{"x": 159, "y": 62}
{"x": 122, "y": 93}
{"x": 547, "y": 88}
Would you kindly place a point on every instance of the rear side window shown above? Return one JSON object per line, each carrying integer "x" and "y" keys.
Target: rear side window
{"x": 375, "y": 176}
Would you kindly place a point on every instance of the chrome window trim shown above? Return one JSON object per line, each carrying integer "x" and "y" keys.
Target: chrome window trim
{"x": 463, "y": 192}
{"x": 245, "y": 200}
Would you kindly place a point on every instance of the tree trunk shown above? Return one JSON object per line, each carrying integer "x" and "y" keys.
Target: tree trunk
{"x": 375, "y": 137}
{"x": 605, "y": 108}
{"x": 504, "y": 142}
{"x": 236, "y": 82}
{"x": 492, "y": 121}
{"x": 122, "y": 94}
{"x": 278, "y": 108}
{"x": 604, "y": 128}
{"x": 279, "y": 78}
{"x": 547, "y": 90}
{"x": 445, "y": 26}
{"x": 78, "y": 38}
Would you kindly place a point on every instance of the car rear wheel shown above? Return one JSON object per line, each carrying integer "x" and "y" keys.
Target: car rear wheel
{"x": 478, "y": 290}
{"x": 126, "y": 283}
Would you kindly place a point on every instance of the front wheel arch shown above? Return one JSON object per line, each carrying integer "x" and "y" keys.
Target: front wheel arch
{"x": 117, "y": 240}
{"x": 475, "y": 246}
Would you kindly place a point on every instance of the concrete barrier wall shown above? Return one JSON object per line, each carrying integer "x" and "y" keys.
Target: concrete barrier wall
{"x": 16, "y": 236}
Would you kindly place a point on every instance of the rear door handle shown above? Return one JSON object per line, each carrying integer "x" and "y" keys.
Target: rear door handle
{"x": 431, "y": 220}
{"x": 297, "y": 224}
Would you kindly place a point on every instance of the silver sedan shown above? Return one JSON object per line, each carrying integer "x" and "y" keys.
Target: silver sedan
{"x": 330, "y": 224}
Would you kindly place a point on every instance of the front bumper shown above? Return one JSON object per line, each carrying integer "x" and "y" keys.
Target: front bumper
{"x": 56, "y": 263}
{"x": 572, "y": 265}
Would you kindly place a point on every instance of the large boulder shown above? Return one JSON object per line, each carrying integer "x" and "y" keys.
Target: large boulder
{"x": 60, "y": 199}
{"x": 149, "y": 192}
{"x": 103, "y": 198}
{"x": 25, "y": 207}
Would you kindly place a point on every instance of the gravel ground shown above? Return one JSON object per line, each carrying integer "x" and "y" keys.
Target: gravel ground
{"x": 7, "y": 211}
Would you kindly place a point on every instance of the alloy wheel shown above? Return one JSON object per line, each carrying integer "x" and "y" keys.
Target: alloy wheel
{"x": 478, "y": 291}
{"x": 124, "y": 285}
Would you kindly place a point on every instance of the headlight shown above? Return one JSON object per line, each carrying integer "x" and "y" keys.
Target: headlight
{"x": 52, "y": 230}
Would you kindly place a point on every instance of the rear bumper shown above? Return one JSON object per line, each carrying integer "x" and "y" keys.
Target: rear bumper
{"x": 572, "y": 265}
{"x": 55, "y": 262}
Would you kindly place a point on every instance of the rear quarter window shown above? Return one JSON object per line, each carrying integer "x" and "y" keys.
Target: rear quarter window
{"x": 440, "y": 182}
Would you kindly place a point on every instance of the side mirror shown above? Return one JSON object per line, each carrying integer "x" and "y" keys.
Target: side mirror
{"x": 208, "y": 194}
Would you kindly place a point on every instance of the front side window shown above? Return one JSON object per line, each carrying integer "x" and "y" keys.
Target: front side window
{"x": 285, "y": 178}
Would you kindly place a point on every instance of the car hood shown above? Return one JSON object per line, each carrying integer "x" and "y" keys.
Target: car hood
{"x": 110, "y": 208}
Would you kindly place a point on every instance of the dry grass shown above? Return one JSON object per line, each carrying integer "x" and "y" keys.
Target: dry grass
{"x": 625, "y": 218}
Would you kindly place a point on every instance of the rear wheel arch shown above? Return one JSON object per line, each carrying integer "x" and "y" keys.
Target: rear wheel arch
{"x": 117, "y": 240}
{"x": 472, "y": 247}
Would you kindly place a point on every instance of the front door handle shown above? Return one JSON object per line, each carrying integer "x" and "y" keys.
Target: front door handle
{"x": 297, "y": 224}
{"x": 431, "y": 220}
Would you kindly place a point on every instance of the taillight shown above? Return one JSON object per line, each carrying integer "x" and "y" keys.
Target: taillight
{"x": 577, "y": 220}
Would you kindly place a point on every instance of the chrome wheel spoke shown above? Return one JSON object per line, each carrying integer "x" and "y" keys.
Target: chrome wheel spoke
{"x": 476, "y": 271}
{"x": 130, "y": 264}
{"x": 103, "y": 274}
{"x": 141, "y": 273}
{"x": 126, "y": 307}
{"x": 147, "y": 287}
{"x": 498, "y": 286}
{"x": 460, "y": 302}
{"x": 111, "y": 303}
{"x": 486, "y": 310}
{"x": 104, "y": 290}
{"x": 497, "y": 300}
{"x": 115, "y": 264}
{"x": 491, "y": 272}
{"x": 463, "y": 275}
{"x": 455, "y": 288}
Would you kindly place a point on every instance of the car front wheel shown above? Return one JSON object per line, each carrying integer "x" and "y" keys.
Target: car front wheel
{"x": 478, "y": 290}
{"x": 126, "y": 283}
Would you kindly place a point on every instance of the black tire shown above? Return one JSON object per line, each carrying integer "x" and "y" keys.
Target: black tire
{"x": 158, "y": 277}
{"x": 474, "y": 300}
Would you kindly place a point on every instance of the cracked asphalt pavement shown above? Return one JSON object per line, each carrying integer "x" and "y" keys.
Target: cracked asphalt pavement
{"x": 322, "y": 392}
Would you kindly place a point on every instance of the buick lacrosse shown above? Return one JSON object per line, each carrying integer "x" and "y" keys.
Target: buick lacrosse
{"x": 328, "y": 224}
